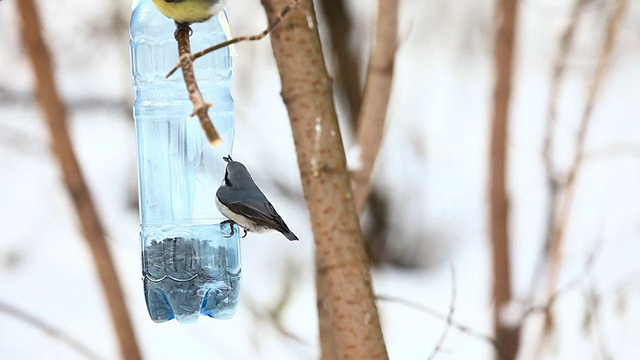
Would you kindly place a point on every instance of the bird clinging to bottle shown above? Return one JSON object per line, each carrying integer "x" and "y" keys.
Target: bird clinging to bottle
{"x": 240, "y": 200}
{"x": 186, "y": 12}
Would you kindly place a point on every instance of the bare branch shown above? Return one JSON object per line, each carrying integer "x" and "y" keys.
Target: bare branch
{"x": 568, "y": 287}
{"x": 277, "y": 20}
{"x": 201, "y": 108}
{"x": 377, "y": 91}
{"x": 55, "y": 113}
{"x": 569, "y": 189}
{"x": 348, "y": 68}
{"x": 508, "y": 337}
{"x": 434, "y": 313}
{"x": 47, "y": 328}
{"x": 274, "y": 315}
{"x": 553, "y": 182}
{"x": 616, "y": 150}
{"x": 452, "y": 308}
{"x": 594, "y": 305}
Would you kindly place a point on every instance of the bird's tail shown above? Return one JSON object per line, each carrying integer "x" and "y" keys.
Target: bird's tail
{"x": 289, "y": 235}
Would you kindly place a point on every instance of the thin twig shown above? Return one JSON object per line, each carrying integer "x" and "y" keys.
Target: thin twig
{"x": 434, "y": 313}
{"x": 291, "y": 274}
{"x": 55, "y": 113}
{"x": 375, "y": 101}
{"x": 12, "y": 97}
{"x": 629, "y": 149}
{"x": 47, "y": 328}
{"x": 452, "y": 308}
{"x": 269, "y": 317}
{"x": 594, "y": 305}
{"x": 277, "y": 20}
{"x": 569, "y": 286}
{"x": 553, "y": 182}
{"x": 201, "y": 108}
{"x": 569, "y": 190}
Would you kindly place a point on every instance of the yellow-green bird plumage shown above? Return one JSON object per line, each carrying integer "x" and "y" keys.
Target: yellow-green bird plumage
{"x": 190, "y": 11}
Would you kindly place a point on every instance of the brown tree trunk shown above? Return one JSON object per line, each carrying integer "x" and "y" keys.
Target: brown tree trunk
{"x": 343, "y": 278}
{"x": 54, "y": 112}
{"x": 507, "y": 335}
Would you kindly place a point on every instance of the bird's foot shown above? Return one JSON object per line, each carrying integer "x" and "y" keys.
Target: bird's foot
{"x": 231, "y": 224}
{"x": 182, "y": 26}
{"x": 231, "y": 231}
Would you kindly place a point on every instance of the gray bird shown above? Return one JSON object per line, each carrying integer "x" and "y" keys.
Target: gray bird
{"x": 240, "y": 200}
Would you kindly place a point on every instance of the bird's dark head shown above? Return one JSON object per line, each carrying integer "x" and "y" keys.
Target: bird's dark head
{"x": 235, "y": 172}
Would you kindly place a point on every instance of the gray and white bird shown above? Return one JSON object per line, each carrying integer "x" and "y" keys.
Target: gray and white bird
{"x": 240, "y": 200}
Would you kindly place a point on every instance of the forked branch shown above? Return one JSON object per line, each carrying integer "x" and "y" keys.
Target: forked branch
{"x": 557, "y": 242}
{"x": 276, "y": 21}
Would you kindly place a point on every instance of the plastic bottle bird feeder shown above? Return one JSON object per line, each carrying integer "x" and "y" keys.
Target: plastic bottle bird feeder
{"x": 189, "y": 267}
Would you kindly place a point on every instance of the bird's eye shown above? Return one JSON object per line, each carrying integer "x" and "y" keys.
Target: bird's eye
{"x": 226, "y": 178}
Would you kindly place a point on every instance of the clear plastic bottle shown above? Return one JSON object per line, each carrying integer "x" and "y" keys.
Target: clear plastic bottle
{"x": 189, "y": 267}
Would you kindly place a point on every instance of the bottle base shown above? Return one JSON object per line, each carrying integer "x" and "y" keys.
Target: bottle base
{"x": 190, "y": 272}
{"x": 187, "y": 300}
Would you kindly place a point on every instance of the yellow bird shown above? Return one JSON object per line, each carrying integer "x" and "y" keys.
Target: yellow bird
{"x": 190, "y": 11}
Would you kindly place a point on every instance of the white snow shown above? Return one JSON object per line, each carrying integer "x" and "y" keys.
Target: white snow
{"x": 432, "y": 169}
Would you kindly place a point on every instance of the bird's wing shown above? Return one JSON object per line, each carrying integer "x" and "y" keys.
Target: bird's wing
{"x": 262, "y": 212}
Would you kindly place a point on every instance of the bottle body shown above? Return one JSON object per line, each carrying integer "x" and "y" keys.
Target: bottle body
{"x": 189, "y": 267}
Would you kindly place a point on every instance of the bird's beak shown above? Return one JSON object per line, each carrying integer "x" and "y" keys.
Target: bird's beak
{"x": 227, "y": 158}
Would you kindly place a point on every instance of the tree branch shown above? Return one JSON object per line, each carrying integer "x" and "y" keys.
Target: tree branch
{"x": 507, "y": 336}
{"x": 342, "y": 271}
{"x": 594, "y": 305}
{"x": 555, "y": 254}
{"x": 452, "y": 308}
{"x": 200, "y": 107}
{"x": 340, "y": 31}
{"x": 238, "y": 39}
{"x": 553, "y": 183}
{"x": 273, "y": 315}
{"x": 377, "y": 91}
{"x": 55, "y": 114}
{"x": 571, "y": 285}
{"x": 460, "y": 327}
{"x": 47, "y": 328}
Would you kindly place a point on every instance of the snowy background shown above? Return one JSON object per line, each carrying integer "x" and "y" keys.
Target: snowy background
{"x": 431, "y": 172}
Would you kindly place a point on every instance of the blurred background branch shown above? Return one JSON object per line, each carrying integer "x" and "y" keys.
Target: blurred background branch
{"x": 49, "y": 329}
{"x": 340, "y": 28}
{"x": 569, "y": 185}
{"x": 507, "y": 335}
{"x": 553, "y": 180}
{"x": 54, "y": 112}
{"x": 377, "y": 91}
{"x": 450, "y": 322}
{"x": 452, "y": 308}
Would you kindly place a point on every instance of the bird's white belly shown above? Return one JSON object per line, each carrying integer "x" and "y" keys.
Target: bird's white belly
{"x": 242, "y": 221}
